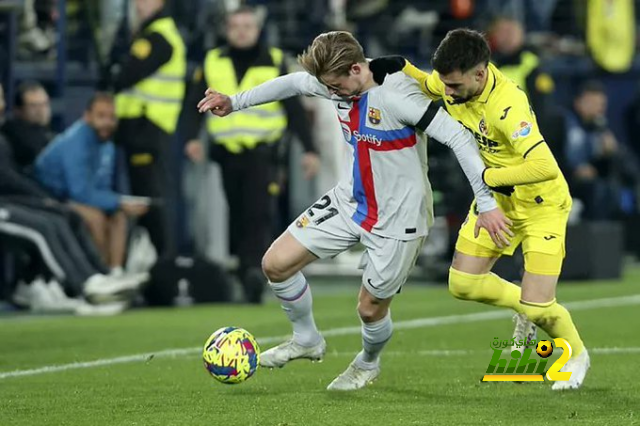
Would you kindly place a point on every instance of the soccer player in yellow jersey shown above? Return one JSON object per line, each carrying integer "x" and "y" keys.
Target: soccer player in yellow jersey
{"x": 528, "y": 186}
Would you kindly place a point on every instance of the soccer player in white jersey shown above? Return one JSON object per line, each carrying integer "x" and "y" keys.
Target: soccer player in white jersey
{"x": 384, "y": 201}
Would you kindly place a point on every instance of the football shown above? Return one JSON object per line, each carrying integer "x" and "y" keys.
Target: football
{"x": 231, "y": 355}
{"x": 544, "y": 348}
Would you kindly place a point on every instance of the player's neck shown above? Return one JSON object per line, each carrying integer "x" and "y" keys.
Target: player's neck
{"x": 369, "y": 82}
{"x": 483, "y": 84}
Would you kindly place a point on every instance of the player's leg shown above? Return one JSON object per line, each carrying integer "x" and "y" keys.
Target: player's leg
{"x": 543, "y": 263}
{"x": 387, "y": 264}
{"x": 318, "y": 233}
{"x": 470, "y": 276}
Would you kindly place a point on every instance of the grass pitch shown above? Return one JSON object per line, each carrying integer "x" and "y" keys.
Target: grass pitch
{"x": 144, "y": 367}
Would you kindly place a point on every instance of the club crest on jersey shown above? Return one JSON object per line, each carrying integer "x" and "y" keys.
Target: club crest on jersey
{"x": 374, "y": 115}
{"x": 523, "y": 130}
{"x": 482, "y": 126}
{"x": 302, "y": 222}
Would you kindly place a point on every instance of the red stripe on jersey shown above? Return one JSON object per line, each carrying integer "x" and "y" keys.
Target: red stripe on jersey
{"x": 366, "y": 172}
{"x": 395, "y": 145}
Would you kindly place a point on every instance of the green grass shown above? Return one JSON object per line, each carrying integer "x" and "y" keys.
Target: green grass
{"x": 415, "y": 388}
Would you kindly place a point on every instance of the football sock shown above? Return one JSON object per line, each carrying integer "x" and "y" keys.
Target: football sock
{"x": 486, "y": 288}
{"x": 296, "y": 301}
{"x": 556, "y": 321}
{"x": 375, "y": 336}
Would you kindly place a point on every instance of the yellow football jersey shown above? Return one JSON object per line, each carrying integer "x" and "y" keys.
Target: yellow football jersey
{"x": 505, "y": 128}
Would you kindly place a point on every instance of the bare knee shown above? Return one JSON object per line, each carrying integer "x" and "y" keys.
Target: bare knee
{"x": 118, "y": 223}
{"x": 274, "y": 267}
{"x": 95, "y": 219}
{"x": 371, "y": 310}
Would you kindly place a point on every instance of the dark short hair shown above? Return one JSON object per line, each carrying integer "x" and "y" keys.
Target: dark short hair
{"x": 461, "y": 50}
{"x": 24, "y": 88}
{"x": 590, "y": 86}
{"x": 99, "y": 97}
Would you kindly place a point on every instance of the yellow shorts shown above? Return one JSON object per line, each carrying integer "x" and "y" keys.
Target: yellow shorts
{"x": 542, "y": 238}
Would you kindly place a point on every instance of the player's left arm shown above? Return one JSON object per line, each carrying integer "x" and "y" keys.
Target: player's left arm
{"x": 518, "y": 127}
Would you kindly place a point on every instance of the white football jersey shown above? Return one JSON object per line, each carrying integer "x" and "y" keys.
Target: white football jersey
{"x": 385, "y": 189}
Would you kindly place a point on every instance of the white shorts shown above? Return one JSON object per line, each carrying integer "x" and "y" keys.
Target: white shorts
{"x": 326, "y": 232}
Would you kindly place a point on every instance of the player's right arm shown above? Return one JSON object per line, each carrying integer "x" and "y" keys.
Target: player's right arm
{"x": 284, "y": 87}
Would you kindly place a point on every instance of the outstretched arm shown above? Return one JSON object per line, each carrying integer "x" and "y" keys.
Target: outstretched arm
{"x": 284, "y": 87}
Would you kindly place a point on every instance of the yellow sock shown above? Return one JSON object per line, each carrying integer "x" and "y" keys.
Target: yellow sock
{"x": 485, "y": 288}
{"x": 556, "y": 321}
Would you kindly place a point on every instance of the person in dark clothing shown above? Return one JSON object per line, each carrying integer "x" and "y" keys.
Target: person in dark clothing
{"x": 245, "y": 145}
{"x": 600, "y": 169}
{"x": 31, "y": 219}
{"x": 28, "y": 132}
{"x": 150, "y": 86}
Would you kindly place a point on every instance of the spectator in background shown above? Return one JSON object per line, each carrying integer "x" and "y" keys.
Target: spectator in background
{"x": 29, "y": 132}
{"x": 507, "y": 39}
{"x": 245, "y": 143}
{"x": 150, "y": 91}
{"x": 594, "y": 158}
{"x": 32, "y": 223}
{"x": 79, "y": 167}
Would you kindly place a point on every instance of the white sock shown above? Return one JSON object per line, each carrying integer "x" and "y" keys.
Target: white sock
{"x": 375, "y": 336}
{"x": 116, "y": 271}
{"x": 296, "y": 301}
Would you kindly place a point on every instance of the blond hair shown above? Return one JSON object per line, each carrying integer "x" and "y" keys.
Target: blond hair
{"x": 332, "y": 53}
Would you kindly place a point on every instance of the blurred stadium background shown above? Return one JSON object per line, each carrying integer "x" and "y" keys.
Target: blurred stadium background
{"x": 577, "y": 60}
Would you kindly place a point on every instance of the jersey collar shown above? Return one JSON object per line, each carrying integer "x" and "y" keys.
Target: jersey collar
{"x": 491, "y": 84}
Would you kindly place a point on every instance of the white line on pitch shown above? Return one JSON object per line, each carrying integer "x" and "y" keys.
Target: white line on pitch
{"x": 342, "y": 331}
{"x": 465, "y": 352}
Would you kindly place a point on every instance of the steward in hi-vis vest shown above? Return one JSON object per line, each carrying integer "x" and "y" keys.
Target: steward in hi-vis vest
{"x": 150, "y": 90}
{"x": 246, "y": 144}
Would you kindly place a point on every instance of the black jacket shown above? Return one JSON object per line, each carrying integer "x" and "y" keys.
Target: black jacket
{"x": 12, "y": 182}
{"x": 137, "y": 66}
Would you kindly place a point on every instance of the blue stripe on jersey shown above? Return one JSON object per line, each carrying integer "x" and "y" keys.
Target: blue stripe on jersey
{"x": 390, "y": 135}
{"x": 358, "y": 188}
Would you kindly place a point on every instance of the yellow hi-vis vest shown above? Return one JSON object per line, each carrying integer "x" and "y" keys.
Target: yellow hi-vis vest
{"x": 519, "y": 72}
{"x": 159, "y": 97}
{"x": 247, "y": 128}
{"x": 611, "y": 33}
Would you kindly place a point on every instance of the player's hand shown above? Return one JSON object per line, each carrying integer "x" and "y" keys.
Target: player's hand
{"x": 497, "y": 225}
{"x": 310, "y": 164}
{"x": 134, "y": 209}
{"x": 194, "y": 151}
{"x": 384, "y": 65}
{"x": 215, "y": 102}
